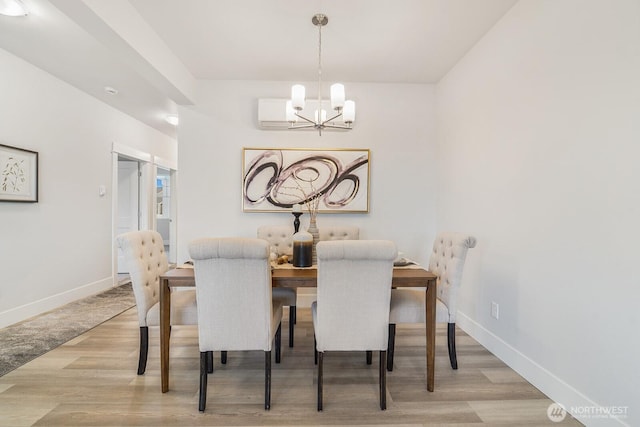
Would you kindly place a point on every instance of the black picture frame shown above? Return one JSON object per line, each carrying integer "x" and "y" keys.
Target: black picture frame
{"x": 18, "y": 175}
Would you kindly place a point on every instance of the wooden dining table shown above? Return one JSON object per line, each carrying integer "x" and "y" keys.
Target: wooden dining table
{"x": 403, "y": 277}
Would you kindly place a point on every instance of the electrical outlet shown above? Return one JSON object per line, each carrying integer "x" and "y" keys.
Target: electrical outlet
{"x": 495, "y": 310}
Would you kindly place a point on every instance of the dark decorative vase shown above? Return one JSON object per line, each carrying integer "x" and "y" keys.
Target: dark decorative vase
{"x": 302, "y": 249}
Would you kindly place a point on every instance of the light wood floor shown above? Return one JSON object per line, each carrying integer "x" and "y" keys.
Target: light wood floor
{"x": 92, "y": 381}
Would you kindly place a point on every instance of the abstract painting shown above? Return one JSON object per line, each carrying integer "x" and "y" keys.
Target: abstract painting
{"x": 275, "y": 179}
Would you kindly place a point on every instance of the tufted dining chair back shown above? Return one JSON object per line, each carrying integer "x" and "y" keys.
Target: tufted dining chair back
{"x": 447, "y": 262}
{"x": 408, "y": 305}
{"x": 339, "y": 233}
{"x": 280, "y": 236}
{"x": 352, "y": 309}
{"x": 146, "y": 261}
{"x": 280, "y": 240}
{"x": 233, "y": 286}
{"x": 354, "y": 288}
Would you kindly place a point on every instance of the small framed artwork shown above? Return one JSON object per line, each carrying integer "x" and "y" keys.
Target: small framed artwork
{"x": 333, "y": 180}
{"x": 18, "y": 175}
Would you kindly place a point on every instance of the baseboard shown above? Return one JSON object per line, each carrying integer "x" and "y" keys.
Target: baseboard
{"x": 26, "y": 311}
{"x": 559, "y": 391}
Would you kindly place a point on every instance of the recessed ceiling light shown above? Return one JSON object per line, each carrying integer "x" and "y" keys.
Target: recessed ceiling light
{"x": 13, "y": 8}
{"x": 108, "y": 89}
{"x": 172, "y": 119}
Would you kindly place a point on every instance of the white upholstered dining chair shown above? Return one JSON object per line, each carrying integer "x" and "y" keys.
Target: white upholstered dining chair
{"x": 280, "y": 241}
{"x": 146, "y": 261}
{"x": 408, "y": 305}
{"x": 233, "y": 286}
{"x": 352, "y": 309}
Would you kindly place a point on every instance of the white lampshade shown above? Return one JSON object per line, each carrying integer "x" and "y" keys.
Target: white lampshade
{"x": 349, "y": 112}
{"x": 323, "y": 116}
{"x": 337, "y": 96}
{"x": 291, "y": 113}
{"x": 297, "y": 97}
{"x": 12, "y": 8}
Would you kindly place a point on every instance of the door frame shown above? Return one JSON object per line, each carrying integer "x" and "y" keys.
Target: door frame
{"x": 147, "y": 214}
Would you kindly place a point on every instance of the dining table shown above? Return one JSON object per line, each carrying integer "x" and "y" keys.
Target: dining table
{"x": 412, "y": 276}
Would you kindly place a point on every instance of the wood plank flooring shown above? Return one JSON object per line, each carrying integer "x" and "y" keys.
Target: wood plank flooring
{"x": 92, "y": 381}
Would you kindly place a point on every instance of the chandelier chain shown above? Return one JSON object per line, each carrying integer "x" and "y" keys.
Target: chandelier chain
{"x": 320, "y": 65}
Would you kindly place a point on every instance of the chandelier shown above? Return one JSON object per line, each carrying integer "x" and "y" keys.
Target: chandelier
{"x": 342, "y": 109}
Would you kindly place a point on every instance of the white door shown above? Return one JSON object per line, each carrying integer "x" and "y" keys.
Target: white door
{"x": 128, "y": 202}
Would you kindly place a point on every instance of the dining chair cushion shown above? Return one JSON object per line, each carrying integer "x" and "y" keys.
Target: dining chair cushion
{"x": 407, "y": 306}
{"x": 287, "y": 296}
{"x": 184, "y": 310}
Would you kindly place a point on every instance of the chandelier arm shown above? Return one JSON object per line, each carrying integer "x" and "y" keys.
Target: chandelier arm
{"x": 330, "y": 119}
{"x": 337, "y": 126}
{"x": 305, "y": 119}
{"x": 304, "y": 126}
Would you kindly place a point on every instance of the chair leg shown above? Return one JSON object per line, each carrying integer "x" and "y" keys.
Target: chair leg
{"x": 451, "y": 339}
{"x": 369, "y": 357}
{"x": 144, "y": 349}
{"x": 292, "y": 321}
{"x": 278, "y": 342}
{"x": 203, "y": 380}
{"x": 391, "y": 346}
{"x": 267, "y": 380}
{"x": 209, "y": 362}
{"x": 383, "y": 380}
{"x": 223, "y": 357}
{"x": 315, "y": 350}
{"x": 320, "y": 357}
{"x": 292, "y": 310}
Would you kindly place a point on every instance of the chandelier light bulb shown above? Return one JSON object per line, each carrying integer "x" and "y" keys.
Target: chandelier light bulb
{"x": 291, "y": 113}
{"x": 297, "y": 97}
{"x": 337, "y": 96}
{"x": 349, "y": 112}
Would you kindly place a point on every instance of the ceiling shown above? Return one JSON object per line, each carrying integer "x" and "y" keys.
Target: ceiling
{"x": 154, "y": 51}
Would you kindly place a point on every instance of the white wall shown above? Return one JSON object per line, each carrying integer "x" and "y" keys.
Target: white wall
{"x": 539, "y": 143}
{"x": 396, "y": 122}
{"x": 59, "y": 249}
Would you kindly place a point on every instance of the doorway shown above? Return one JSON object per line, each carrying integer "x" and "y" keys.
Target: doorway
{"x": 131, "y": 202}
{"x": 128, "y": 202}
